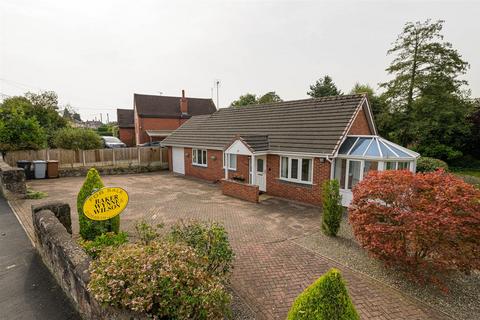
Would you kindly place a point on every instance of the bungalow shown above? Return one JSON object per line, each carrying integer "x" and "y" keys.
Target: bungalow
{"x": 286, "y": 149}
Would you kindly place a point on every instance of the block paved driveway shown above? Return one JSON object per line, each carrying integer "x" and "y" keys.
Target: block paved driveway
{"x": 271, "y": 269}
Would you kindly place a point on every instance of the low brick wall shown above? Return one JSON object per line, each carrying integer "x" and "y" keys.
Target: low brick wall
{"x": 12, "y": 181}
{"x": 240, "y": 190}
{"x": 82, "y": 171}
{"x": 68, "y": 262}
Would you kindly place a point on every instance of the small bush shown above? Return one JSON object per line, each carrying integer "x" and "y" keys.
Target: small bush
{"x": 100, "y": 243}
{"x": 31, "y": 194}
{"x": 332, "y": 207}
{"x": 147, "y": 233}
{"x": 426, "y": 224}
{"x": 210, "y": 241}
{"x": 90, "y": 229}
{"x": 77, "y": 139}
{"x": 326, "y": 299}
{"x": 426, "y": 164}
{"x": 163, "y": 279}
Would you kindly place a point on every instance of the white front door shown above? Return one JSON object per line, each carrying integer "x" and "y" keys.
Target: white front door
{"x": 261, "y": 172}
{"x": 178, "y": 160}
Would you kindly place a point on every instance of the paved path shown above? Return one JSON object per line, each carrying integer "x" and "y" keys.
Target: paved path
{"x": 27, "y": 289}
{"x": 270, "y": 268}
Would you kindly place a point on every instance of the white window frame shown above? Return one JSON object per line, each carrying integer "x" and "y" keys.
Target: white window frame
{"x": 299, "y": 170}
{"x": 225, "y": 161}
{"x": 195, "y": 157}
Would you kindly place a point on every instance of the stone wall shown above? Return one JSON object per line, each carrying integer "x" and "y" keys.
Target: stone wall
{"x": 240, "y": 190}
{"x": 68, "y": 262}
{"x": 12, "y": 181}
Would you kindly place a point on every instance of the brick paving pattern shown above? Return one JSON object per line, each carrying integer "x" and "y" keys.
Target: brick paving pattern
{"x": 270, "y": 268}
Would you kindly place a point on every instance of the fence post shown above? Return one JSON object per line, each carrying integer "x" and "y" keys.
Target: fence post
{"x": 113, "y": 156}
{"x": 138, "y": 154}
{"x": 83, "y": 158}
{"x": 47, "y": 154}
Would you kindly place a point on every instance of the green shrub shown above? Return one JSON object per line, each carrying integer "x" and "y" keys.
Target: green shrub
{"x": 163, "y": 279}
{"x": 32, "y": 194}
{"x": 100, "y": 243}
{"x": 147, "y": 233}
{"x": 326, "y": 299}
{"x": 332, "y": 207}
{"x": 77, "y": 139}
{"x": 427, "y": 164}
{"x": 90, "y": 229}
{"x": 210, "y": 241}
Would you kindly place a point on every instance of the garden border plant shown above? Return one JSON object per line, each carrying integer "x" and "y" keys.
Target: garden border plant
{"x": 425, "y": 224}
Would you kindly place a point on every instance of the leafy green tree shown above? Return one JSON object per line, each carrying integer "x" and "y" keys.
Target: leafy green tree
{"x": 324, "y": 87}
{"x": 70, "y": 114}
{"x": 45, "y": 110}
{"x": 77, "y": 139}
{"x": 18, "y": 130}
{"x": 269, "y": 97}
{"x": 245, "y": 100}
{"x": 90, "y": 229}
{"x": 426, "y": 68}
{"x": 326, "y": 299}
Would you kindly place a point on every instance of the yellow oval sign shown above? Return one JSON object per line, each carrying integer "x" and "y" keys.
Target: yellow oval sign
{"x": 105, "y": 203}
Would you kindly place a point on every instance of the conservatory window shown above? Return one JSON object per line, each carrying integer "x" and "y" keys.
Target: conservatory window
{"x": 403, "y": 165}
{"x": 370, "y": 166}
{"x": 339, "y": 173}
{"x": 353, "y": 172}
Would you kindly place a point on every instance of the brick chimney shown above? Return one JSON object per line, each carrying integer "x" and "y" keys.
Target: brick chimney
{"x": 183, "y": 103}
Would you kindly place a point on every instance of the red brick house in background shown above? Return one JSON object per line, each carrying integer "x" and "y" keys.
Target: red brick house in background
{"x": 286, "y": 149}
{"x": 126, "y": 126}
{"x": 155, "y": 117}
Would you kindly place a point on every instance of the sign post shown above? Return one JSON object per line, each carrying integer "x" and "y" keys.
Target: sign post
{"x": 105, "y": 203}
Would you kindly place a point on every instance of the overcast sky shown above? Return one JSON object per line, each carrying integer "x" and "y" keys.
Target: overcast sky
{"x": 96, "y": 54}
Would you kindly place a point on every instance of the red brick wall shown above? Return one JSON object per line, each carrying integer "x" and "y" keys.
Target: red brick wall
{"x": 127, "y": 135}
{"x": 214, "y": 170}
{"x": 243, "y": 170}
{"x": 240, "y": 190}
{"x": 360, "y": 124}
{"x": 144, "y": 124}
{"x": 296, "y": 191}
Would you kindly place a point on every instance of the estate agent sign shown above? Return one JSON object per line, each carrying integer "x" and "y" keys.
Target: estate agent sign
{"x": 105, "y": 203}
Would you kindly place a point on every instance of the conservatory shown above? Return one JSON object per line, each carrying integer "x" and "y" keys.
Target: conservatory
{"x": 358, "y": 155}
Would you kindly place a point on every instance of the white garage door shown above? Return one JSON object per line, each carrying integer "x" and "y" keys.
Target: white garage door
{"x": 178, "y": 160}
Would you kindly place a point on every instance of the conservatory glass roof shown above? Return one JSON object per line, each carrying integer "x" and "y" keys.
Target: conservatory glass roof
{"x": 374, "y": 147}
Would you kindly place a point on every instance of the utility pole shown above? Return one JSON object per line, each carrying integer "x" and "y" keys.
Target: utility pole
{"x": 108, "y": 120}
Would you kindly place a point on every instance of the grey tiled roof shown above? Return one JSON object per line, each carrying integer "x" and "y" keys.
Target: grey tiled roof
{"x": 151, "y": 106}
{"x": 125, "y": 118}
{"x": 256, "y": 142}
{"x": 304, "y": 126}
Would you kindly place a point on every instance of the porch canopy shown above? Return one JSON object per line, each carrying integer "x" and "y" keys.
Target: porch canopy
{"x": 358, "y": 155}
{"x": 247, "y": 145}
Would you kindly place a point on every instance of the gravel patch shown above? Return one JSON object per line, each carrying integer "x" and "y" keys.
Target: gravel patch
{"x": 461, "y": 302}
{"x": 240, "y": 310}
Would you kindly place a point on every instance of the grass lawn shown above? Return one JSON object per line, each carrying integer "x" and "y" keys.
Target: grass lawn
{"x": 471, "y": 176}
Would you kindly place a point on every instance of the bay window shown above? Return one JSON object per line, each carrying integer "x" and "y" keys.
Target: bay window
{"x": 296, "y": 169}
{"x": 199, "y": 157}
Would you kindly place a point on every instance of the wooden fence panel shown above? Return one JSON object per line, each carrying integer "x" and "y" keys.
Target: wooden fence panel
{"x": 97, "y": 157}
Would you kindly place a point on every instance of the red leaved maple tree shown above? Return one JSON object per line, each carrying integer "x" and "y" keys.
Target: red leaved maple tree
{"x": 426, "y": 224}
